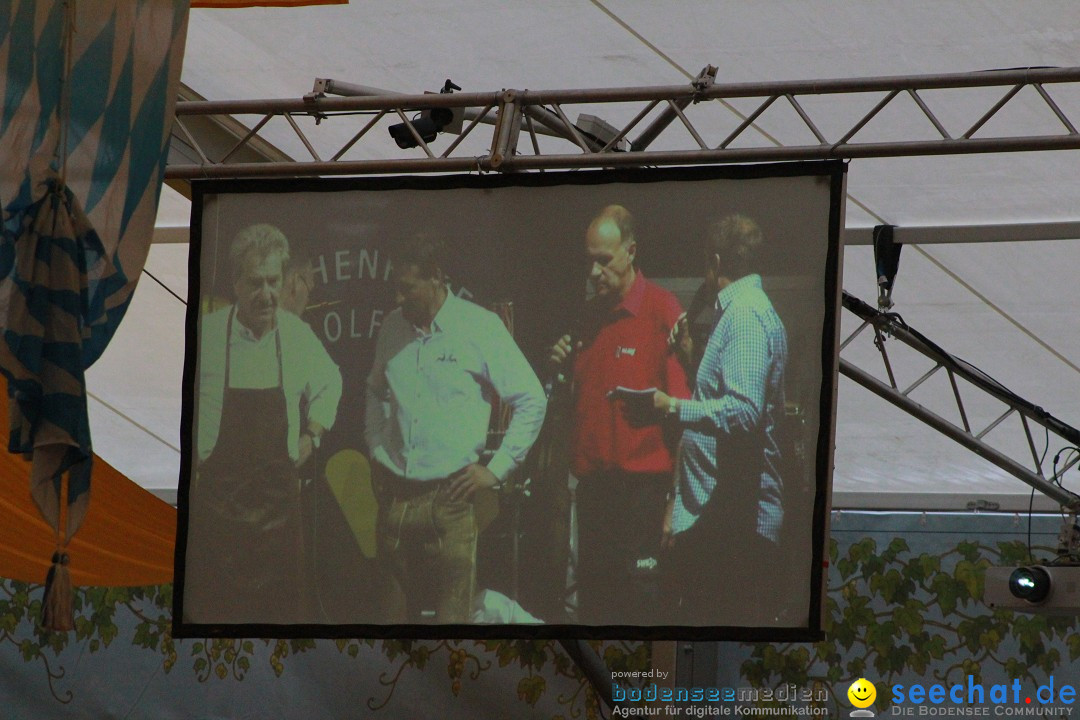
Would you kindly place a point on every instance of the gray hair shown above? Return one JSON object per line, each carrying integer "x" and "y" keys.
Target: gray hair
{"x": 261, "y": 239}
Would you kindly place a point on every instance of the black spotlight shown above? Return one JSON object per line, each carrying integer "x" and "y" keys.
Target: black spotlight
{"x": 886, "y": 262}
{"x": 1030, "y": 583}
{"x": 428, "y": 125}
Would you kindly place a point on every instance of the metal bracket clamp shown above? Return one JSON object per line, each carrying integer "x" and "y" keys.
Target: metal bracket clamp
{"x": 311, "y": 100}
{"x": 705, "y": 80}
{"x": 507, "y": 129}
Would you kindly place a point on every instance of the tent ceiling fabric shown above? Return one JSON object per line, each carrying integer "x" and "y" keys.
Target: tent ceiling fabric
{"x": 126, "y": 538}
{"x": 231, "y": 4}
{"x": 983, "y": 302}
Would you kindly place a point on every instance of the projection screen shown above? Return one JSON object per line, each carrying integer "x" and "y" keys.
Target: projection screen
{"x": 592, "y": 404}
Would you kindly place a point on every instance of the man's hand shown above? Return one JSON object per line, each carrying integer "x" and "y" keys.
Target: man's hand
{"x": 306, "y": 447}
{"x": 661, "y": 401}
{"x": 469, "y": 479}
{"x": 667, "y": 539}
{"x": 562, "y": 349}
{"x": 640, "y": 412}
{"x": 680, "y": 341}
{"x": 678, "y": 330}
{"x": 306, "y": 444}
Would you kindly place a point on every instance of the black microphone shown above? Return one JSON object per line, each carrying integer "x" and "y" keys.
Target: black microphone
{"x": 559, "y": 372}
{"x": 702, "y": 297}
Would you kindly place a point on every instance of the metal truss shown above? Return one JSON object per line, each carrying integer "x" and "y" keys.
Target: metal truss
{"x": 885, "y": 326}
{"x": 517, "y": 115}
{"x": 532, "y": 130}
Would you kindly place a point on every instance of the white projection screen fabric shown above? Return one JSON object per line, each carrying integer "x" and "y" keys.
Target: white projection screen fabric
{"x": 466, "y": 406}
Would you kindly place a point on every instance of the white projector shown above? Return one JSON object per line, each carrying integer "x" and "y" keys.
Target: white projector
{"x": 1044, "y": 589}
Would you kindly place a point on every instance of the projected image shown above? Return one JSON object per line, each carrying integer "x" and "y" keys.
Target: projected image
{"x": 267, "y": 392}
{"x": 557, "y": 405}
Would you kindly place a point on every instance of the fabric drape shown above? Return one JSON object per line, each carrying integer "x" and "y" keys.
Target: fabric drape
{"x": 88, "y": 93}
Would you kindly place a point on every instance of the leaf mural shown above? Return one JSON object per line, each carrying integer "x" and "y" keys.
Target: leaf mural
{"x": 891, "y": 612}
{"x": 97, "y": 611}
{"x": 888, "y": 611}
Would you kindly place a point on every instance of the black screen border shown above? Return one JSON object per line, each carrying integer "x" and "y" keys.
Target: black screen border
{"x": 834, "y": 170}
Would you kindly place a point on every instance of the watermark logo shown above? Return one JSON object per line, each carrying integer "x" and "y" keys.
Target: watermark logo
{"x": 862, "y": 694}
{"x": 974, "y": 698}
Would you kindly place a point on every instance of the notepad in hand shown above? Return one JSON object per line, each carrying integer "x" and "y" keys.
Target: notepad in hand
{"x": 631, "y": 395}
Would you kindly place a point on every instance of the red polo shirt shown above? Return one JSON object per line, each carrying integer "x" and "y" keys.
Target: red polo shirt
{"x": 630, "y": 349}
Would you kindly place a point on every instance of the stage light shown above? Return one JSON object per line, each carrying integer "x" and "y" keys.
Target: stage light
{"x": 1030, "y": 583}
{"x": 430, "y": 123}
{"x": 886, "y": 262}
{"x": 427, "y": 127}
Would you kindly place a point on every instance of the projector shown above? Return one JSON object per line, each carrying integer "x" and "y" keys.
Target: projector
{"x": 1043, "y": 589}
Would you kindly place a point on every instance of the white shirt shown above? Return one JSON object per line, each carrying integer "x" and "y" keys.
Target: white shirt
{"x": 429, "y": 395}
{"x": 306, "y": 371}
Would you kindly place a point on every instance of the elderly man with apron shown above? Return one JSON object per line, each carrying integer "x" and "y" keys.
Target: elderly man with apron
{"x": 267, "y": 392}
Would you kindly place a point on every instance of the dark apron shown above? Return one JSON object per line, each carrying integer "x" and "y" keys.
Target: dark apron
{"x": 247, "y": 507}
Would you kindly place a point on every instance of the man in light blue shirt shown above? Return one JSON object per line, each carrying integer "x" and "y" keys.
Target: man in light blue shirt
{"x": 724, "y": 519}
{"x": 440, "y": 362}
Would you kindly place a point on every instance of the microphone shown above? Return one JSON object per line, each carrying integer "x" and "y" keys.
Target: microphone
{"x": 557, "y": 374}
{"x": 702, "y": 297}
{"x": 681, "y": 338}
{"x": 560, "y": 371}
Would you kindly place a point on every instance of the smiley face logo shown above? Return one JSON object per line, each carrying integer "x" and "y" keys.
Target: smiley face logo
{"x": 862, "y": 693}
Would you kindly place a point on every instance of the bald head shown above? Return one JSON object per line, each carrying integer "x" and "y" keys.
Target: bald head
{"x": 611, "y": 248}
{"x": 614, "y": 219}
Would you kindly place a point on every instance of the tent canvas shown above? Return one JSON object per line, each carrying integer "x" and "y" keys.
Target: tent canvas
{"x": 1010, "y": 308}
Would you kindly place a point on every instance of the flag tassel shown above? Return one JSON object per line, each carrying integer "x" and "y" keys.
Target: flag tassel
{"x": 57, "y": 607}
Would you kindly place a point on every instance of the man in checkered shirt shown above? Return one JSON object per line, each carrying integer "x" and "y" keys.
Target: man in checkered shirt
{"x": 723, "y": 521}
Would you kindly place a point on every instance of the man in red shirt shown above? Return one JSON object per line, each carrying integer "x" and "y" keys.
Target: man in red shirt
{"x": 623, "y": 461}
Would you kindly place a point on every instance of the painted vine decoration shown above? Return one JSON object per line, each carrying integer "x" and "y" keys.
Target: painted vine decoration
{"x": 17, "y": 604}
{"x": 890, "y": 611}
{"x": 229, "y": 659}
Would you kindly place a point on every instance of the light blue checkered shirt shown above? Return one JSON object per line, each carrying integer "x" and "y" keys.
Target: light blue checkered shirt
{"x": 739, "y": 389}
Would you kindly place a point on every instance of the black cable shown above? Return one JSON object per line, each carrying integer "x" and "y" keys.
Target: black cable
{"x": 960, "y": 363}
{"x": 352, "y": 112}
{"x": 167, "y": 288}
{"x": 1055, "y": 479}
{"x": 1071, "y": 450}
{"x": 898, "y": 319}
{"x": 1031, "y": 500}
{"x": 952, "y": 362}
{"x": 1046, "y": 446}
{"x": 1031, "y": 504}
{"x": 1021, "y": 67}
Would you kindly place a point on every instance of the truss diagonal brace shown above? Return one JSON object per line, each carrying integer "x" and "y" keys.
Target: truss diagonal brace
{"x": 673, "y": 99}
{"x": 889, "y": 324}
{"x": 980, "y": 448}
